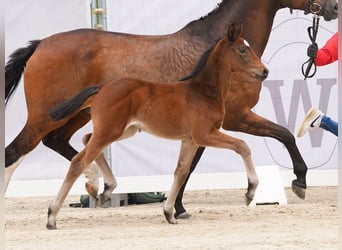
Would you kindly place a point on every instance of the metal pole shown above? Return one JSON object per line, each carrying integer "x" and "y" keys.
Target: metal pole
{"x": 98, "y": 14}
{"x": 99, "y": 21}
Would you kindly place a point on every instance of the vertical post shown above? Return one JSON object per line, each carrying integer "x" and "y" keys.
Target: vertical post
{"x": 99, "y": 21}
{"x": 98, "y": 14}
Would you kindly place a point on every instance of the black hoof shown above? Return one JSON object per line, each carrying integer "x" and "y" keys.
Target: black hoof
{"x": 51, "y": 227}
{"x": 184, "y": 215}
{"x": 299, "y": 189}
{"x": 248, "y": 200}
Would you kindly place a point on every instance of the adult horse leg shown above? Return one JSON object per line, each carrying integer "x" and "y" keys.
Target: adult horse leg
{"x": 254, "y": 124}
{"x": 180, "y": 210}
{"x": 187, "y": 152}
{"x": 26, "y": 141}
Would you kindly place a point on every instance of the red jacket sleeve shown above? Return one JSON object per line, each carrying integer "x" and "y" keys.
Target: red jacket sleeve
{"x": 329, "y": 52}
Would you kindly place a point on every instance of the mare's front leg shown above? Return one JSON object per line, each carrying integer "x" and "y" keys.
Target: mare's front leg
{"x": 254, "y": 124}
{"x": 187, "y": 152}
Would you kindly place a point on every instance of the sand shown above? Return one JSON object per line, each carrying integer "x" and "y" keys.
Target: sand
{"x": 220, "y": 220}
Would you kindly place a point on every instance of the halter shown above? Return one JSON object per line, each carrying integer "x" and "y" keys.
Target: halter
{"x": 312, "y": 31}
{"x": 310, "y": 8}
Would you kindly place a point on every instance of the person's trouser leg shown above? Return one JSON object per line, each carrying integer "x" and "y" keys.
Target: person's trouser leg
{"x": 330, "y": 125}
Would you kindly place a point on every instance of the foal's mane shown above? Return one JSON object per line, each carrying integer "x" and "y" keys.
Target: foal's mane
{"x": 200, "y": 63}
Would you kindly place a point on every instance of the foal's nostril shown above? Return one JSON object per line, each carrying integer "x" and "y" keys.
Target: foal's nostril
{"x": 336, "y": 7}
{"x": 265, "y": 73}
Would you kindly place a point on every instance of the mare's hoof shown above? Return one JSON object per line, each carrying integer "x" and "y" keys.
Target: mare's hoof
{"x": 299, "y": 189}
{"x": 92, "y": 190}
{"x": 170, "y": 218}
{"x": 248, "y": 199}
{"x": 184, "y": 215}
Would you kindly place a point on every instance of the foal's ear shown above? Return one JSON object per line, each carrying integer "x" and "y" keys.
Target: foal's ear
{"x": 234, "y": 31}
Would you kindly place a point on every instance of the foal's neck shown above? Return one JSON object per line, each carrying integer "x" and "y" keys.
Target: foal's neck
{"x": 212, "y": 83}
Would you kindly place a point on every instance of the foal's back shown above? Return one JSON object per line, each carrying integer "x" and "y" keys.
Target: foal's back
{"x": 167, "y": 110}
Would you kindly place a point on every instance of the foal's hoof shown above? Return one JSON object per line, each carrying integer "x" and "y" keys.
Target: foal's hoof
{"x": 103, "y": 199}
{"x": 91, "y": 190}
{"x": 248, "y": 199}
{"x": 170, "y": 218}
{"x": 299, "y": 189}
{"x": 51, "y": 227}
{"x": 184, "y": 215}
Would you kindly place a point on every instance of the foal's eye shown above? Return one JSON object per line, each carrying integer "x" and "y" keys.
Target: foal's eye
{"x": 242, "y": 50}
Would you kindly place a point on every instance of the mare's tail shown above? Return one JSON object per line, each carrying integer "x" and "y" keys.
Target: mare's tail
{"x": 15, "y": 67}
{"x": 67, "y": 108}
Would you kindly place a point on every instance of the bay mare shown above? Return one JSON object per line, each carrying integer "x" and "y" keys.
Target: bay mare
{"x": 192, "y": 111}
{"x": 79, "y": 58}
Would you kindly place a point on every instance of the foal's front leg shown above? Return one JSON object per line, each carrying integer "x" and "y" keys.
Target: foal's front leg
{"x": 221, "y": 140}
{"x": 187, "y": 152}
{"x": 254, "y": 124}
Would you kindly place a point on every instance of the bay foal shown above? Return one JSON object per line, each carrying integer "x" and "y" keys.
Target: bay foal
{"x": 191, "y": 111}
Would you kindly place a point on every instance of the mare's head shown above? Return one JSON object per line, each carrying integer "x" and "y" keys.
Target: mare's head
{"x": 326, "y": 8}
{"x": 237, "y": 56}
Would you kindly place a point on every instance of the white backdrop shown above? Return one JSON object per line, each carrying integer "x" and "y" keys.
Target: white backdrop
{"x": 147, "y": 155}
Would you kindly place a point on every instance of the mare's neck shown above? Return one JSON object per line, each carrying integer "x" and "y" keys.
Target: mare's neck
{"x": 257, "y": 18}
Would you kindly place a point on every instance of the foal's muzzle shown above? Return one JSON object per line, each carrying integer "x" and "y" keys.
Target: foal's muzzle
{"x": 263, "y": 74}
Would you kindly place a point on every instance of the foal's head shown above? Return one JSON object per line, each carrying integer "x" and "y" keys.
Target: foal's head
{"x": 238, "y": 56}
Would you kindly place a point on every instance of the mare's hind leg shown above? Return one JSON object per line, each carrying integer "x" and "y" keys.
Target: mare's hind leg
{"x": 25, "y": 142}
{"x": 254, "y": 124}
{"x": 181, "y": 213}
{"x": 187, "y": 152}
{"x": 221, "y": 140}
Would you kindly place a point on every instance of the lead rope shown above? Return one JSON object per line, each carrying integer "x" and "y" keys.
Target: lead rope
{"x": 312, "y": 31}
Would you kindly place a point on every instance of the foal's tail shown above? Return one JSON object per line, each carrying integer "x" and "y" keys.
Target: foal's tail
{"x": 15, "y": 67}
{"x": 69, "y": 107}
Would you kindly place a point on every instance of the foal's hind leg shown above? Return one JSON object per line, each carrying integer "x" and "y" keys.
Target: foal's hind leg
{"x": 58, "y": 140}
{"x": 187, "y": 152}
{"x": 92, "y": 173}
{"x": 254, "y": 124}
{"x": 77, "y": 166}
{"x": 109, "y": 180}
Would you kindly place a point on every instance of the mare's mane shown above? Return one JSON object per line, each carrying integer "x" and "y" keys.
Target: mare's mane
{"x": 223, "y": 2}
{"x": 200, "y": 63}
